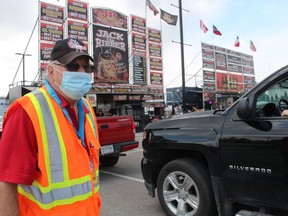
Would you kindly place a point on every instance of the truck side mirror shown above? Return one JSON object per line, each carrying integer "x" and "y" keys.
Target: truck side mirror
{"x": 243, "y": 110}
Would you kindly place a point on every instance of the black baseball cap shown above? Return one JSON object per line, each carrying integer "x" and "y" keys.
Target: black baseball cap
{"x": 65, "y": 51}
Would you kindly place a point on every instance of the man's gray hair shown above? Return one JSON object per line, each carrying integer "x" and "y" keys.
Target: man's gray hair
{"x": 45, "y": 75}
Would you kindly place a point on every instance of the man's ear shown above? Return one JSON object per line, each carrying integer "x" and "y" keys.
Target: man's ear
{"x": 50, "y": 70}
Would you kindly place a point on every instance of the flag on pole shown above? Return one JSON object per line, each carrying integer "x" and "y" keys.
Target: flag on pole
{"x": 216, "y": 31}
{"x": 203, "y": 27}
{"x": 168, "y": 18}
{"x": 152, "y": 7}
{"x": 237, "y": 42}
{"x": 252, "y": 46}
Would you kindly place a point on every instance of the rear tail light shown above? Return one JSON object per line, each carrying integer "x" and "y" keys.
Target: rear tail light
{"x": 133, "y": 127}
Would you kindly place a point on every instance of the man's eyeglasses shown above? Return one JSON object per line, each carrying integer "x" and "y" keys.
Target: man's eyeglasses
{"x": 75, "y": 67}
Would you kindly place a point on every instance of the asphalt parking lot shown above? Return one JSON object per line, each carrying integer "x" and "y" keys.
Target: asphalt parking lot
{"x": 122, "y": 188}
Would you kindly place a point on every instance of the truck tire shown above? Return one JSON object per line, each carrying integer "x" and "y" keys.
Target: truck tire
{"x": 107, "y": 161}
{"x": 184, "y": 188}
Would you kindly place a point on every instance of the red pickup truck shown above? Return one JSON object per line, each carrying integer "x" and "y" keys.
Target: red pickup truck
{"x": 116, "y": 135}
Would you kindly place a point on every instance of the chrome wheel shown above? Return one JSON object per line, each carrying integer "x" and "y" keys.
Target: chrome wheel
{"x": 181, "y": 194}
{"x": 184, "y": 189}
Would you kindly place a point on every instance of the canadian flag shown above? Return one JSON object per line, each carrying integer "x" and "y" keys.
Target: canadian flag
{"x": 152, "y": 7}
{"x": 252, "y": 46}
{"x": 203, "y": 27}
{"x": 237, "y": 42}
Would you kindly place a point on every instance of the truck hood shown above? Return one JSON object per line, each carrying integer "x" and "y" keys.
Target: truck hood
{"x": 189, "y": 120}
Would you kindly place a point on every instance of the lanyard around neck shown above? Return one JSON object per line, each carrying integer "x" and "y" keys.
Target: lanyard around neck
{"x": 80, "y": 132}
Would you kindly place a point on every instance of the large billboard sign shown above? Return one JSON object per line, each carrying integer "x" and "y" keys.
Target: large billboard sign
{"x": 231, "y": 71}
{"x": 110, "y": 48}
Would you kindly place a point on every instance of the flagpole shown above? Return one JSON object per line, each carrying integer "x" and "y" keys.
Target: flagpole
{"x": 182, "y": 58}
{"x": 162, "y": 52}
{"x": 200, "y": 32}
{"x": 146, "y": 12}
{"x": 147, "y": 46}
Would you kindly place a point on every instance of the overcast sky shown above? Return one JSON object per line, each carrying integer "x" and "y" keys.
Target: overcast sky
{"x": 262, "y": 21}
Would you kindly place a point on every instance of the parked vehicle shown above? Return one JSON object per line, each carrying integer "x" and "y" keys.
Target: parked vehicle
{"x": 116, "y": 135}
{"x": 232, "y": 162}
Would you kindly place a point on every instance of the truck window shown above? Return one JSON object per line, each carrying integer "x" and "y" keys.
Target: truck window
{"x": 273, "y": 100}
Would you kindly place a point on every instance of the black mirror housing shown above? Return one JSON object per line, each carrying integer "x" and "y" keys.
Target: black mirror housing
{"x": 243, "y": 110}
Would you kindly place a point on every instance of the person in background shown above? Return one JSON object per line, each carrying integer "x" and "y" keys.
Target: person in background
{"x": 100, "y": 113}
{"x": 49, "y": 150}
{"x": 113, "y": 111}
{"x": 229, "y": 101}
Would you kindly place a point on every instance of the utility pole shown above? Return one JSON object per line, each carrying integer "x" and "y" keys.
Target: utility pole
{"x": 23, "y": 59}
{"x": 182, "y": 59}
{"x": 182, "y": 55}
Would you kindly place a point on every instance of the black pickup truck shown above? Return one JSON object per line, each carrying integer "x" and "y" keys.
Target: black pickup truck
{"x": 226, "y": 163}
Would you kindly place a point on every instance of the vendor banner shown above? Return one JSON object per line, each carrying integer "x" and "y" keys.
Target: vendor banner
{"x": 108, "y": 17}
{"x": 156, "y": 64}
{"x": 229, "y": 82}
{"x": 156, "y": 89}
{"x": 77, "y": 10}
{"x": 235, "y": 83}
{"x": 209, "y": 76}
{"x": 209, "y": 87}
{"x": 122, "y": 88}
{"x": 139, "y": 67}
{"x": 45, "y": 51}
{"x": 250, "y": 80}
{"x": 234, "y": 68}
{"x": 207, "y": 63}
{"x": 155, "y": 49}
{"x": 138, "y": 24}
{"x": 154, "y": 35}
{"x": 156, "y": 78}
{"x": 51, "y": 32}
{"x": 222, "y": 82}
{"x": 78, "y": 30}
{"x": 51, "y": 13}
{"x": 101, "y": 88}
{"x": 110, "y": 49}
{"x": 139, "y": 89}
{"x": 138, "y": 41}
{"x": 220, "y": 61}
{"x": 208, "y": 54}
{"x": 248, "y": 70}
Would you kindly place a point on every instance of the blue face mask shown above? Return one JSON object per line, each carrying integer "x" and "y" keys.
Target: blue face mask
{"x": 75, "y": 84}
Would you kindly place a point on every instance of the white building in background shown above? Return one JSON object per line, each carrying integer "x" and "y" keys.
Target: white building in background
{"x": 4, "y": 104}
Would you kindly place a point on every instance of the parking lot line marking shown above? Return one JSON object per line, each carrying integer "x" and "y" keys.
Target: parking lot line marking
{"x": 122, "y": 176}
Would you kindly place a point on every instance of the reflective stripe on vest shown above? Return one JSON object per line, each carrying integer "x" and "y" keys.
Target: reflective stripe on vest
{"x": 92, "y": 125}
{"x": 60, "y": 190}
{"x": 90, "y": 117}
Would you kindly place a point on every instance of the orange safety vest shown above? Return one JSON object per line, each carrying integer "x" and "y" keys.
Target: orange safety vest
{"x": 67, "y": 182}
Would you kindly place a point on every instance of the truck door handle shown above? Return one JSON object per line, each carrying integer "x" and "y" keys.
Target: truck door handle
{"x": 105, "y": 126}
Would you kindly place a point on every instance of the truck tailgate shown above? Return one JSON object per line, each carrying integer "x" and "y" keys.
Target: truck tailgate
{"x": 116, "y": 129}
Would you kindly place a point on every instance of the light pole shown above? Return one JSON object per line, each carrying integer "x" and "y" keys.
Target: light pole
{"x": 23, "y": 57}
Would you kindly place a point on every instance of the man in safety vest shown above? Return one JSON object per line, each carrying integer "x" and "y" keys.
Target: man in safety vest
{"x": 49, "y": 150}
